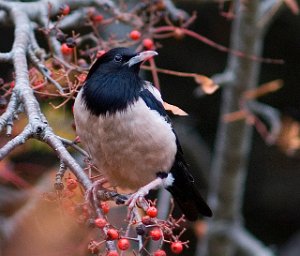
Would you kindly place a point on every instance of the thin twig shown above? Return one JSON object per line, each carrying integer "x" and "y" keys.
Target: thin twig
{"x": 219, "y": 47}
{"x": 44, "y": 70}
{"x": 10, "y": 110}
{"x": 73, "y": 145}
{"x": 16, "y": 141}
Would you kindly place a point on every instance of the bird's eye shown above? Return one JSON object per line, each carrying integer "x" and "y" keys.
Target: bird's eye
{"x": 118, "y": 58}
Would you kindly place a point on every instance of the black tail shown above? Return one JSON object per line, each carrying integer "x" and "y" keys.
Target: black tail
{"x": 185, "y": 192}
{"x": 190, "y": 202}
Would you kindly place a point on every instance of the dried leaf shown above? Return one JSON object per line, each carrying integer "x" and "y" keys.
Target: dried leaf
{"x": 263, "y": 89}
{"x": 200, "y": 228}
{"x": 289, "y": 138}
{"x": 235, "y": 116}
{"x": 207, "y": 84}
{"x": 174, "y": 109}
{"x": 293, "y": 6}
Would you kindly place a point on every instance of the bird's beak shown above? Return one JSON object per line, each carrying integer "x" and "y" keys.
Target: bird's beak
{"x": 140, "y": 57}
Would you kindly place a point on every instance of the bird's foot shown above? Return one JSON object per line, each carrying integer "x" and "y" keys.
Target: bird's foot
{"x": 91, "y": 193}
{"x": 138, "y": 198}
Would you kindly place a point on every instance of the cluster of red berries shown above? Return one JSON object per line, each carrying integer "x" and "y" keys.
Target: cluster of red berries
{"x": 156, "y": 233}
{"x": 123, "y": 243}
{"x": 78, "y": 210}
{"x": 147, "y": 42}
{"x": 68, "y": 43}
{"x": 112, "y": 234}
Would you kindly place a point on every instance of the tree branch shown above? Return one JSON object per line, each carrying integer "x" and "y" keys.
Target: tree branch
{"x": 6, "y": 57}
{"x": 230, "y": 159}
{"x": 268, "y": 9}
{"x": 10, "y": 110}
{"x": 55, "y": 143}
{"x": 247, "y": 243}
{"x": 270, "y": 115}
{"x": 15, "y": 142}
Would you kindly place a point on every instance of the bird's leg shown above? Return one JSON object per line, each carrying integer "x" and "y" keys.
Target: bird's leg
{"x": 91, "y": 194}
{"x": 138, "y": 196}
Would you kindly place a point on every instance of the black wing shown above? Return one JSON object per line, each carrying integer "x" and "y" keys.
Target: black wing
{"x": 183, "y": 189}
{"x": 154, "y": 104}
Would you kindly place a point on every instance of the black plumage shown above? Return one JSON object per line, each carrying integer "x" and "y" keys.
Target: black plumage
{"x": 183, "y": 189}
{"x": 109, "y": 85}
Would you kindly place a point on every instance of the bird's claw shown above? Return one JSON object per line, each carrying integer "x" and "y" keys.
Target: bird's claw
{"x": 136, "y": 198}
{"x": 91, "y": 193}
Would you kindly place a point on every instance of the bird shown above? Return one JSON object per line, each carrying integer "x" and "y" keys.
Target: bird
{"x": 122, "y": 123}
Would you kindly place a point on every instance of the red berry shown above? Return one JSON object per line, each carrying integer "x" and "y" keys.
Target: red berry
{"x": 151, "y": 212}
{"x": 65, "y": 9}
{"x": 105, "y": 207}
{"x": 135, "y": 35}
{"x": 123, "y": 244}
{"x": 155, "y": 234}
{"x": 12, "y": 84}
{"x": 112, "y": 234}
{"x": 81, "y": 78}
{"x": 66, "y": 50}
{"x": 100, "y": 53}
{"x": 97, "y": 18}
{"x": 160, "y": 253}
{"x": 112, "y": 253}
{"x": 176, "y": 247}
{"x": 100, "y": 222}
{"x": 148, "y": 43}
{"x": 146, "y": 220}
{"x": 71, "y": 184}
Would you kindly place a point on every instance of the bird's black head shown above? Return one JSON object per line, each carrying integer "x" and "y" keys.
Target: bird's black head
{"x": 113, "y": 83}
